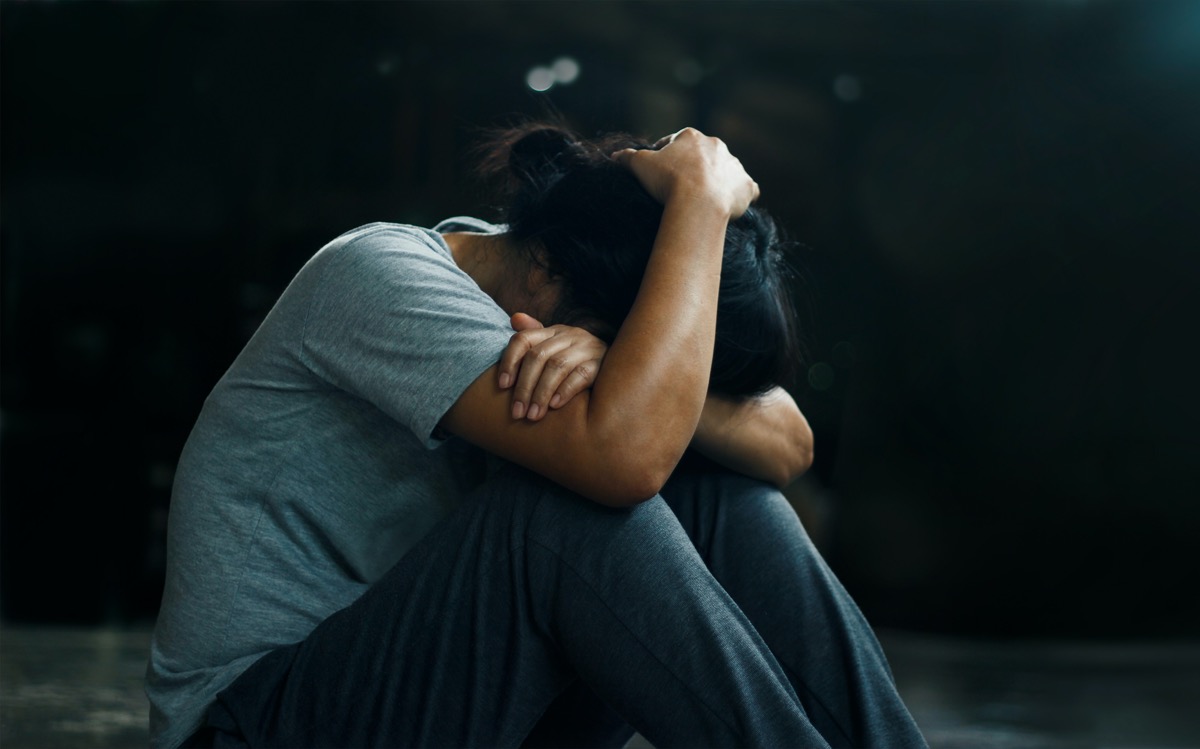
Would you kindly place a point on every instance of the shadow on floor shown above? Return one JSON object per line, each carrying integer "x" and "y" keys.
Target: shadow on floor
{"x": 62, "y": 687}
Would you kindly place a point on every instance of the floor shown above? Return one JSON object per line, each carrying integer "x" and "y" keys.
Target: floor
{"x": 82, "y": 688}
{"x": 72, "y": 688}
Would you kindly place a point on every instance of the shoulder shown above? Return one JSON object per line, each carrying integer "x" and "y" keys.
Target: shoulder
{"x": 385, "y": 243}
{"x": 391, "y": 266}
{"x": 383, "y": 237}
{"x": 384, "y": 253}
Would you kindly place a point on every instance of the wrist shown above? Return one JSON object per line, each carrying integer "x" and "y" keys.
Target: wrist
{"x": 701, "y": 210}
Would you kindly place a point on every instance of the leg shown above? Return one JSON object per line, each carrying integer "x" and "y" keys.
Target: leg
{"x": 757, "y": 550}
{"x": 525, "y": 588}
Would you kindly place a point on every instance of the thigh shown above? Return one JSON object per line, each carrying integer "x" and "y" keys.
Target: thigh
{"x": 477, "y": 630}
{"x": 441, "y": 651}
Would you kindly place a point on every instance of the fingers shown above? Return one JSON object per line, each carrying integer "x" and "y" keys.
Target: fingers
{"x": 667, "y": 140}
{"x": 521, "y": 321}
{"x": 747, "y": 197}
{"x": 519, "y": 345}
{"x": 579, "y": 379}
{"x": 510, "y": 361}
{"x": 682, "y": 134}
{"x": 547, "y": 367}
{"x": 693, "y": 164}
{"x": 558, "y": 368}
{"x": 623, "y": 156}
{"x": 543, "y": 367}
{"x": 564, "y": 373}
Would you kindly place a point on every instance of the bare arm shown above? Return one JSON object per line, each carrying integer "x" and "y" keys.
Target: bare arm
{"x": 767, "y": 437}
{"x": 618, "y": 443}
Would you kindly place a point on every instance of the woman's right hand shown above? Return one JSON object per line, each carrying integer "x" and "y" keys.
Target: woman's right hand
{"x": 690, "y": 165}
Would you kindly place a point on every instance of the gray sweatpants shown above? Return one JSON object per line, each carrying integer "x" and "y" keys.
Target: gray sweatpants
{"x": 703, "y": 617}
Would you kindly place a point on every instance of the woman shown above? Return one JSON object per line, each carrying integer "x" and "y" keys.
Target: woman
{"x": 348, "y": 568}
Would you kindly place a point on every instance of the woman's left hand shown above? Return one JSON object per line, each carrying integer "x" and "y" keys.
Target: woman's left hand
{"x": 547, "y": 367}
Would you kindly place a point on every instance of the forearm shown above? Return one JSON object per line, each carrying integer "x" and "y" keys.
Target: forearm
{"x": 618, "y": 442}
{"x": 652, "y": 387}
{"x": 766, "y": 437}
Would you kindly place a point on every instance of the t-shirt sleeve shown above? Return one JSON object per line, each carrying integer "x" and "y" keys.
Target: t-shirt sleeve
{"x": 396, "y": 322}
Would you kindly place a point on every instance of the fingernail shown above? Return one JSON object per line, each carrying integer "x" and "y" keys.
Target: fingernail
{"x": 534, "y": 410}
{"x": 555, "y": 401}
{"x": 518, "y": 410}
{"x": 505, "y": 380}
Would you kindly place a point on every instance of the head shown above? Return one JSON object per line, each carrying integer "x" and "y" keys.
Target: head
{"x": 587, "y": 222}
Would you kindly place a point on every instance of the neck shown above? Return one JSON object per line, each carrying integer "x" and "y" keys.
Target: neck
{"x": 493, "y": 262}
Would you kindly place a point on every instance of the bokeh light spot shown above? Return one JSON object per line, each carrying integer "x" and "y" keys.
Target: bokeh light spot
{"x": 565, "y": 70}
{"x": 820, "y": 376}
{"x": 540, "y": 78}
{"x": 847, "y": 87}
{"x": 844, "y": 354}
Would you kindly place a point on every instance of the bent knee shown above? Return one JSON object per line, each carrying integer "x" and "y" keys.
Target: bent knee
{"x": 715, "y": 502}
{"x": 565, "y": 521}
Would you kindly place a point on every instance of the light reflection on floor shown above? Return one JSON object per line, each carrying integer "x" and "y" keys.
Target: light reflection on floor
{"x": 1059, "y": 695}
{"x": 63, "y": 687}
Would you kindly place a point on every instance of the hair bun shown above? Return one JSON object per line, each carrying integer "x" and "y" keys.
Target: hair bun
{"x": 542, "y": 154}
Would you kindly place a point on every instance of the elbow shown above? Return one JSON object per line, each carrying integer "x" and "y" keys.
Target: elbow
{"x": 804, "y": 451}
{"x": 800, "y": 465}
{"x": 632, "y": 478}
{"x": 798, "y": 460}
{"x": 631, "y": 489}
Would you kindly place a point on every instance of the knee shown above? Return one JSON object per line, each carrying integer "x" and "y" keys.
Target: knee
{"x": 567, "y": 523}
{"x": 728, "y": 496}
{"x": 722, "y": 509}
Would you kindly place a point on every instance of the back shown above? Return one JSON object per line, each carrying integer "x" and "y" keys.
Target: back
{"x": 313, "y": 466}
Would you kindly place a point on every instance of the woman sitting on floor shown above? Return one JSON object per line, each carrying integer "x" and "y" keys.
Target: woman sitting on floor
{"x": 350, "y": 566}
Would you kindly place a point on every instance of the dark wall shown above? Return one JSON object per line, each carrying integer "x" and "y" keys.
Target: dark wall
{"x": 996, "y": 203}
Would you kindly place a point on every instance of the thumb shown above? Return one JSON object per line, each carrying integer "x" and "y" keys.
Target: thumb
{"x": 521, "y": 321}
{"x": 623, "y": 156}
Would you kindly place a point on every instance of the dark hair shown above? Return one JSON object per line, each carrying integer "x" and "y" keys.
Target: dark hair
{"x": 592, "y": 225}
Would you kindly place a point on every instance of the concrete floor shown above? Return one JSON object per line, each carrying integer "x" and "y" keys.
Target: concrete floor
{"x": 72, "y": 687}
{"x": 82, "y": 688}
{"x": 1056, "y": 695}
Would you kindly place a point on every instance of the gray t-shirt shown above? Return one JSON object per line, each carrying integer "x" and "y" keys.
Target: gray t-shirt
{"x": 314, "y": 466}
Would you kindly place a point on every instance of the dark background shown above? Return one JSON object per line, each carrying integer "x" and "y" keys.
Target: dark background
{"x": 996, "y": 204}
